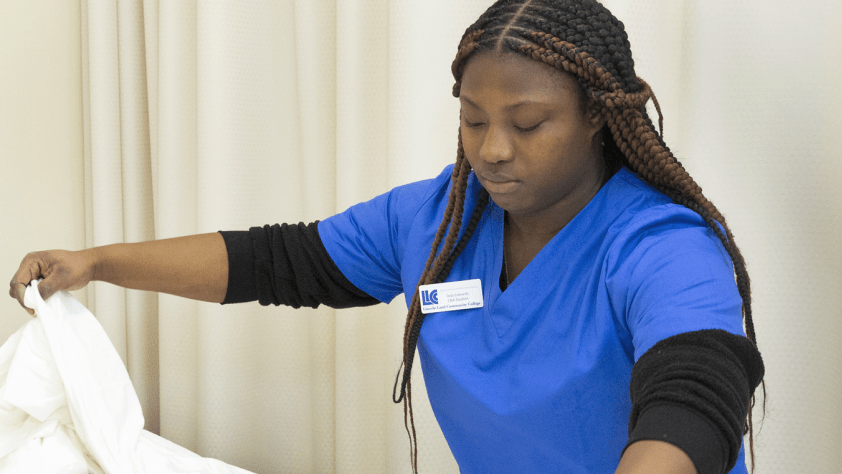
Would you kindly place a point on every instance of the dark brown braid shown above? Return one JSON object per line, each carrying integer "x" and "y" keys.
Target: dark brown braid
{"x": 581, "y": 38}
{"x": 435, "y": 271}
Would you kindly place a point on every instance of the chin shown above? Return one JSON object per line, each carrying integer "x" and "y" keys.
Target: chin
{"x": 511, "y": 204}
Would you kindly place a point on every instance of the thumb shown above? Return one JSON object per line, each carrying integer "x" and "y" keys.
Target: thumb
{"x": 47, "y": 287}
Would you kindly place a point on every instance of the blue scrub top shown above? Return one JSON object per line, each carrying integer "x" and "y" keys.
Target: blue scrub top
{"x": 537, "y": 380}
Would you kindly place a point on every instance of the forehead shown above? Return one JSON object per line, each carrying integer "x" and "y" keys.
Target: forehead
{"x": 515, "y": 77}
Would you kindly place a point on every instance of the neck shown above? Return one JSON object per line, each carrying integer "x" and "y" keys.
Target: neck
{"x": 526, "y": 234}
{"x": 544, "y": 224}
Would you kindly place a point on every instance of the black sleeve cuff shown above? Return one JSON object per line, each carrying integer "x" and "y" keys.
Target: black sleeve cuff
{"x": 288, "y": 265}
{"x": 694, "y": 390}
{"x": 687, "y": 430}
{"x": 241, "y": 285}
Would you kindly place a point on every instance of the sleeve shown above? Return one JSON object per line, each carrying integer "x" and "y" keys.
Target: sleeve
{"x": 671, "y": 286}
{"x": 367, "y": 241}
{"x": 668, "y": 274}
{"x": 286, "y": 264}
{"x": 693, "y": 390}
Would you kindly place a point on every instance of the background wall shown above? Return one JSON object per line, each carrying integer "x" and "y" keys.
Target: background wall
{"x": 41, "y": 151}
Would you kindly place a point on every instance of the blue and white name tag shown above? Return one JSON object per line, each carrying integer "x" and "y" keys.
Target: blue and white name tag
{"x": 451, "y": 296}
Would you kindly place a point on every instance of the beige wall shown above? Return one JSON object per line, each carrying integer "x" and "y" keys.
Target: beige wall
{"x": 41, "y": 155}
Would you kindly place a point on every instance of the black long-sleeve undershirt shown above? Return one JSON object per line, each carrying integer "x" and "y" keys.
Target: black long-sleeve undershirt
{"x": 691, "y": 390}
{"x": 286, "y": 265}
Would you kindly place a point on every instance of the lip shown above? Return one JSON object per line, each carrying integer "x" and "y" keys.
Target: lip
{"x": 496, "y": 177}
{"x": 497, "y": 183}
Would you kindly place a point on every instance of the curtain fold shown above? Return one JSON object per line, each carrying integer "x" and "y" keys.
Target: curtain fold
{"x": 118, "y": 180}
{"x": 174, "y": 160}
{"x": 206, "y": 116}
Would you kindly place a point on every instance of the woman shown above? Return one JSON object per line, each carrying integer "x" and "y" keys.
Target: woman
{"x": 590, "y": 268}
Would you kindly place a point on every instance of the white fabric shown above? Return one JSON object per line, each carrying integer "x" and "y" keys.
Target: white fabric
{"x": 67, "y": 405}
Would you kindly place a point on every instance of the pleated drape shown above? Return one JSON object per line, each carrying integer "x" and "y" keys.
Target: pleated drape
{"x": 118, "y": 180}
{"x": 202, "y": 116}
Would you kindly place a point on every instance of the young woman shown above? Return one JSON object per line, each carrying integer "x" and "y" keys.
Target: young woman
{"x": 571, "y": 292}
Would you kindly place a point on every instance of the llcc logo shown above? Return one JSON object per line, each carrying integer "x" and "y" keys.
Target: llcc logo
{"x": 429, "y": 297}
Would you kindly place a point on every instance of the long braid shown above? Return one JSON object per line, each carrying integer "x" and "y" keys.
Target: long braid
{"x": 482, "y": 202}
{"x": 448, "y": 214}
{"x": 582, "y": 38}
{"x": 432, "y": 274}
{"x": 437, "y": 268}
{"x": 647, "y": 154}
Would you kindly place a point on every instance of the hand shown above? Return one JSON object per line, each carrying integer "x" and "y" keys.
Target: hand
{"x": 60, "y": 270}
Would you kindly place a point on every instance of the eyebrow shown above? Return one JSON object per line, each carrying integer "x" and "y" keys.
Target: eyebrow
{"x": 508, "y": 107}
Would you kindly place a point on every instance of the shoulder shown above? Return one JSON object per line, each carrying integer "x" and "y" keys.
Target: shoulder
{"x": 652, "y": 223}
{"x": 367, "y": 241}
{"x": 667, "y": 272}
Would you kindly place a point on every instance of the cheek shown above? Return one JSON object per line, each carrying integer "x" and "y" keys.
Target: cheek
{"x": 471, "y": 143}
{"x": 557, "y": 156}
{"x": 548, "y": 150}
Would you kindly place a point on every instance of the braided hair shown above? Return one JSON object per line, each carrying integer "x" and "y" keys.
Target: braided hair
{"x": 581, "y": 38}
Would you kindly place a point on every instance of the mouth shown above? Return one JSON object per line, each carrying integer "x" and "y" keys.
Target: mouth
{"x": 497, "y": 183}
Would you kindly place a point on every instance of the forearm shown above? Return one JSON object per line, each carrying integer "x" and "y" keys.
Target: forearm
{"x": 193, "y": 267}
{"x": 655, "y": 457}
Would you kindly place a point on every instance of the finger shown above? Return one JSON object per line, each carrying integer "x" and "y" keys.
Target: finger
{"x": 56, "y": 277}
{"x": 47, "y": 287}
{"x": 30, "y": 269}
{"x": 16, "y": 291}
{"x": 17, "y": 287}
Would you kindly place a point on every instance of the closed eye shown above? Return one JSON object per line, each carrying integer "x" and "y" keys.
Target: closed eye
{"x": 528, "y": 129}
{"x": 473, "y": 125}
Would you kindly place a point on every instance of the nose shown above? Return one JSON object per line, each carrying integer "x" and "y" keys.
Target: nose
{"x": 496, "y": 146}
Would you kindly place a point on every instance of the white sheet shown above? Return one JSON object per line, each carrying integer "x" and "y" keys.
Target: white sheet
{"x": 67, "y": 405}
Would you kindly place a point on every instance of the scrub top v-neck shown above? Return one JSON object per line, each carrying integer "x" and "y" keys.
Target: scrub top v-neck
{"x": 537, "y": 379}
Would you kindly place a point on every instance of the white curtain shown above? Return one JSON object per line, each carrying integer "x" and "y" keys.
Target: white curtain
{"x": 203, "y": 115}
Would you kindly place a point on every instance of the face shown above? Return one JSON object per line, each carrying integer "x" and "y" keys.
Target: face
{"x": 527, "y": 137}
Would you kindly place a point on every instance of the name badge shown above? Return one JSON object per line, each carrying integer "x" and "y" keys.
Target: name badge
{"x": 451, "y": 296}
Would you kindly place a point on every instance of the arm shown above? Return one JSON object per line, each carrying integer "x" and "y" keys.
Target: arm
{"x": 193, "y": 267}
{"x": 280, "y": 264}
{"x": 655, "y": 457}
{"x": 286, "y": 264}
{"x": 694, "y": 376}
{"x": 690, "y": 397}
